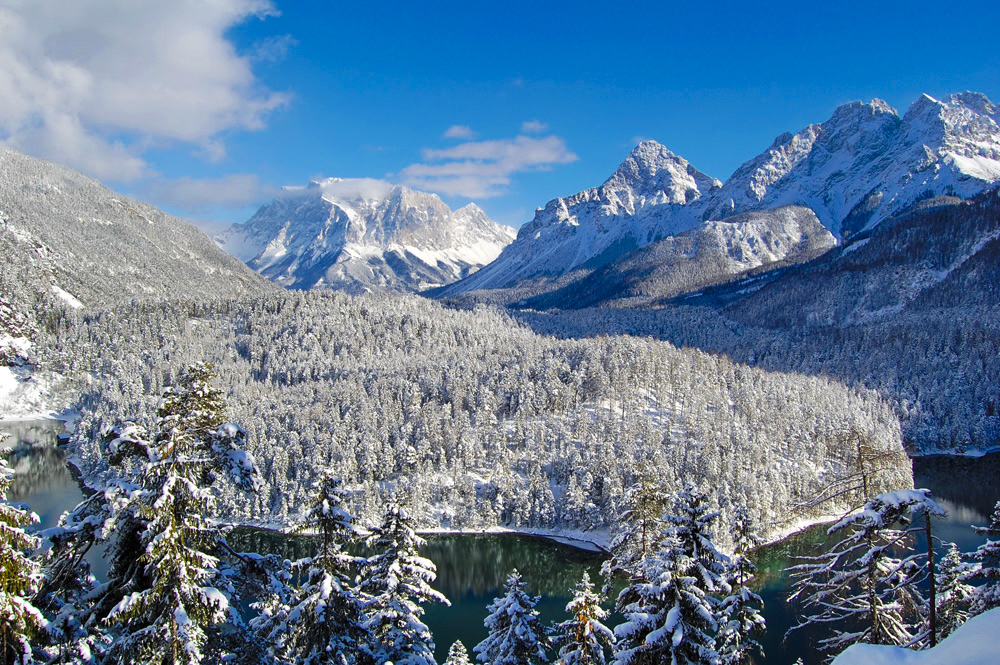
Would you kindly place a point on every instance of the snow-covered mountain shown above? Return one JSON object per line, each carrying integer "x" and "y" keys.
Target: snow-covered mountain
{"x": 861, "y": 166}
{"x": 867, "y": 163}
{"x": 940, "y": 253}
{"x": 710, "y": 253}
{"x": 362, "y": 234}
{"x": 66, "y": 238}
{"x": 640, "y": 203}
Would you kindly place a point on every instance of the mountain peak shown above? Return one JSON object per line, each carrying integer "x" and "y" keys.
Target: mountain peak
{"x": 975, "y": 101}
{"x": 853, "y": 112}
{"x": 651, "y": 170}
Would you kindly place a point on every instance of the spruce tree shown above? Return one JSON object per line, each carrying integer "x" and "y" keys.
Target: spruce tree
{"x": 670, "y": 615}
{"x": 175, "y": 601}
{"x": 20, "y": 620}
{"x": 954, "y": 595}
{"x": 639, "y": 523}
{"x": 859, "y": 582}
{"x": 394, "y": 583}
{"x": 987, "y": 562}
{"x": 582, "y": 639}
{"x": 457, "y": 655}
{"x": 319, "y": 622}
{"x": 740, "y": 620}
{"x": 516, "y": 635}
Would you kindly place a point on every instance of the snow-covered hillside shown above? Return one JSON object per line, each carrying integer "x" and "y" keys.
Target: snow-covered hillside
{"x": 861, "y": 166}
{"x": 65, "y": 238}
{"x": 710, "y": 253}
{"x": 362, "y": 234}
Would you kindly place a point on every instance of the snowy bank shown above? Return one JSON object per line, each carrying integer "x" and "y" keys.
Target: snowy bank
{"x": 581, "y": 540}
{"x": 974, "y": 643}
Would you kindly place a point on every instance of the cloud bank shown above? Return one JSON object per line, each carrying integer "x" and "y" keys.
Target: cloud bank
{"x": 94, "y": 85}
{"x": 483, "y": 169}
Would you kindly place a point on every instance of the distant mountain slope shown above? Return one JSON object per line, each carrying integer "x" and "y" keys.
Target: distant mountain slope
{"x": 694, "y": 259}
{"x": 66, "y": 235}
{"x": 360, "y": 234}
{"x": 863, "y": 165}
{"x": 867, "y": 163}
{"x": 910, "y": 308}
{"x": 943, "y": 253}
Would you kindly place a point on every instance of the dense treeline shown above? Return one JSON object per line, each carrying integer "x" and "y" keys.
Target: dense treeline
{"x": 472, "y": 419}
{"x": 909, "y": 310}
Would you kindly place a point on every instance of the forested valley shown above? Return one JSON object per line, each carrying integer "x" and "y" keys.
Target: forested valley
{"x": 471, "y": 418}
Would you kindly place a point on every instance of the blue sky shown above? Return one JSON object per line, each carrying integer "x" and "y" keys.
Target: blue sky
{"x": 203, "y": 108}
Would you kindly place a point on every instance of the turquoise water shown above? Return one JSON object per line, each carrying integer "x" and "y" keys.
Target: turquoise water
{"x": 472, "y": 568}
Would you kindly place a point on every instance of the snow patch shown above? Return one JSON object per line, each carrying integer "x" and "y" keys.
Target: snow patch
{"x": 973, "y": 643}
{"x": 67, "y": 297}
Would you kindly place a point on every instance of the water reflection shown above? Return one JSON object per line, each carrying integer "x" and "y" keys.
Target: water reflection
{"x": 42, "y": 478}
{"x": 471, "y": 572}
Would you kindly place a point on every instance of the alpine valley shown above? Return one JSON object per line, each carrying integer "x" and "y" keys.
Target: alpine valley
{"x": 771, "y": 348}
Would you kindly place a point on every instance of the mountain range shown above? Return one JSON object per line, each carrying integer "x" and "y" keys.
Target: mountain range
{"x": 863, "y": 165}
{"x": 362, "y": 234}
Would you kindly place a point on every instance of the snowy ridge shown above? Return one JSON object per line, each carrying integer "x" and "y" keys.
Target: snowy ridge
{"x": 361, "y": 234}
{"x": 866, "y": 163}
{"x": 861, "y": 166}
{"x": 707, "y": 254}
{"x": 67, "y": 240}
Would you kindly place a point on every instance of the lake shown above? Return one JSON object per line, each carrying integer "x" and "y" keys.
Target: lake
{"x": 472, "y": 568}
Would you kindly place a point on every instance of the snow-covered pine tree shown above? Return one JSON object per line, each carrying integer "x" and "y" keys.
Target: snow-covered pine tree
{"x": 669, "y": 614}
{"x": 457, "y": 655}
{"x": 20, "y": 620}
{"x": 690, "y": 522}
{"x": 319, "y": 623}
{"x": 68, "y": 590}
{"x": 640, "y": 523}
{"x": 174, "y": 602}
{"x": 857, "y": 584}
{"x": 740, "y": 620}
{"x": 516, "y": 635}
{"x": 954, "y": 595}
{"x": 394, "y": 583}
{"x": 582, "y": 639}
{"x": 987, "y": 562}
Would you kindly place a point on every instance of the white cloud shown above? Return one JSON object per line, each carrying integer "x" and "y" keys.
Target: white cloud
{"x": 459, "y": 132}
{"x": 483, "y": 169}
{"x": 533, "y": 127}
{"x": 194, "y": 195}
{"x": 636, "y": 140}
{"x": 93, "y": 85}
{"x": 273, "y": 49}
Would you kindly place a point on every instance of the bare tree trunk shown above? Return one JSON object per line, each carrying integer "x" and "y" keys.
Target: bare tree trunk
{"x": 930, "y": 573}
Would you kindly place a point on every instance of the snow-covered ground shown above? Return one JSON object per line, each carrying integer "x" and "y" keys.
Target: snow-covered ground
{"x": 974, "y": 643}
{"x": 25, "y": 395}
